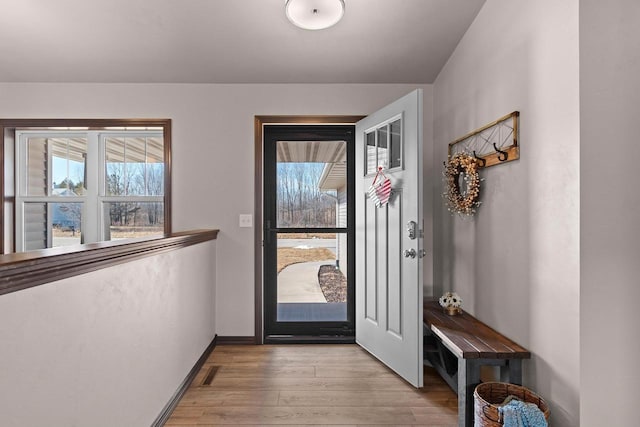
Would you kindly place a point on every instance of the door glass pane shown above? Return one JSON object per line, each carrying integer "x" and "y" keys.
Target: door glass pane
{"x": 134, "y": 166}
{"x": 37, "y": 167}
{"x": 35, "y": 226}
{"x": 155, "y": 166}
{"x": 128, "y": 220}
{"x": 395, "y": 149}
{"x": 311, "y": 181}
{"x": 312, "y": 271}
{"x": 372, "y": 161}
{"x": 66, "y": 220}
{"x": 135, "y": 161}
{"x": 59, "y": 160}
{"x": 383, "y": 152}
{"x": 68, "y": 160}
{"x": 51, "y": 225}
{"x": 114, "y": 167}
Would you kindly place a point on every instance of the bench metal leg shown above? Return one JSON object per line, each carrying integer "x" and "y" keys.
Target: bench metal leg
{"x": 468, "y": 379}
{"x": 511, "y": 371}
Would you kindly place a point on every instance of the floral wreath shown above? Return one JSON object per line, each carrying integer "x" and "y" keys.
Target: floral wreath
{"x": 467, "y": 203}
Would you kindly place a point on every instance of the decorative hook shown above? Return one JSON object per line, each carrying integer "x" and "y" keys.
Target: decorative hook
{"x": 502, "y": 155}
{"x": 379, "y": 173}
{"x": 480, "y": 160}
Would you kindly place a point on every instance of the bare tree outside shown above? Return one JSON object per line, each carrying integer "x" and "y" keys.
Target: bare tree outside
{"x": 134, "y": 178}
{"x": 300, "y": 203}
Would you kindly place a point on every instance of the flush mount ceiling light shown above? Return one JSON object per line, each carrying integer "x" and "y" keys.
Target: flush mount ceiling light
{"x": 314, "y": 14}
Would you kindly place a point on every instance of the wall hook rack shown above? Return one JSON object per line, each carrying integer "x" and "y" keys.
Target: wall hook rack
{"x": 503, "y": 156}
{"x": 493, "y": 143}
{"x": 482, "y": 162}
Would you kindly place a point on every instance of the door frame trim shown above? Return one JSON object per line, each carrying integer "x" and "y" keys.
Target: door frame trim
{"x": 259, "y": 122}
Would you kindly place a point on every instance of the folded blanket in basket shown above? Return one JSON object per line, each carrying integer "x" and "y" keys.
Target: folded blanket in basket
{"x": 516, "y": 413}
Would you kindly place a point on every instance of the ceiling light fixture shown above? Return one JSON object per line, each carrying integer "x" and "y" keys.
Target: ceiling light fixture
{"x": 314, "y": 14}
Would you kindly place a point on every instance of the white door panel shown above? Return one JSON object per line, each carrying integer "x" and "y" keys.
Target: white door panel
{"x": 388, "y": 284}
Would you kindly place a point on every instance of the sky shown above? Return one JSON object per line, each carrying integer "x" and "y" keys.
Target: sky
{"x": 62, "y": 165}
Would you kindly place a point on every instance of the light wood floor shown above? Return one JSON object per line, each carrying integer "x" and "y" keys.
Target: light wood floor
{"x": 310, "y": 385}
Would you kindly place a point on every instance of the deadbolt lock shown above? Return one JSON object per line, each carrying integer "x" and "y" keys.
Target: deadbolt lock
{"x": 412, "y": 229}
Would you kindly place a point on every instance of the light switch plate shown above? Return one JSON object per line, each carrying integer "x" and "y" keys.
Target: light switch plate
{"x": 246, "y": 220}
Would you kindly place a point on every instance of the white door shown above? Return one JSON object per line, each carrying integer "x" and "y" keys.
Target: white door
{"x": 389, "y": 257}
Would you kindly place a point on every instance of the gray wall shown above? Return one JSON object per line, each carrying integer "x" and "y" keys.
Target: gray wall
{"x": 107, "y": 348}
{"x": 516, "y": 263}
{"x": 212, "y": 153}
{"x": 212, "y": 182}
{"x": 609, "y": 211}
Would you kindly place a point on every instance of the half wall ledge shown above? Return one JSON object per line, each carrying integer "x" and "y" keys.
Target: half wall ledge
{"x": 28, "y": 269}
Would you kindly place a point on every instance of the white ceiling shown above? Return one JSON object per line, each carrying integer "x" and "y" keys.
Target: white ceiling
{"x": 226, "y": 41}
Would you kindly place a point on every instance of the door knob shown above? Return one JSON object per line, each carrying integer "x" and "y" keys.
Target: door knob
{"x": 409, "y": 253}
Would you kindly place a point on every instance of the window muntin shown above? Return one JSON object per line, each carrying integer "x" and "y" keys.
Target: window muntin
{"x": 53, "y": 166}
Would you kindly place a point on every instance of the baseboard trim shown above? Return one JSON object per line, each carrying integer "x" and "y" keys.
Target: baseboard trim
{"x": 230, "y": 340}
{"x": 309, "y": 339}
{"x": 182, "y": 389}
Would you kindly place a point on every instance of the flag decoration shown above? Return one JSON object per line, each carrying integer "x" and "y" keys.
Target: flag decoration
{"x": 380, "y": 190}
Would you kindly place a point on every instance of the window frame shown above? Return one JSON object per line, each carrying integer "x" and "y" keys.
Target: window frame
{"x": 9, "y": 187}
{"x": 21, "y": 167}
{"x": 375, "y": 131}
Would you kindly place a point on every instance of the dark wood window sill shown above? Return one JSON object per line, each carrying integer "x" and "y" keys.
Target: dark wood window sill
{"x": 25, "y": 270}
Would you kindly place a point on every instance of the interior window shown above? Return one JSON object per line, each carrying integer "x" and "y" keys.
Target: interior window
{"x": 76, "y": 186}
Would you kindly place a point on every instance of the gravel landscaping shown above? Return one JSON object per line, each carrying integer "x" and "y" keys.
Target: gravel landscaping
{"x": 333, "y": 283}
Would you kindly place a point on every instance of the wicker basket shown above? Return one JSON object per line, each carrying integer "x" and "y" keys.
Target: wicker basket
{"x": 488, "y": 396}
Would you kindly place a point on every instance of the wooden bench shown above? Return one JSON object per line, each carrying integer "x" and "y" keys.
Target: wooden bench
{"x": 457, "y": 346}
